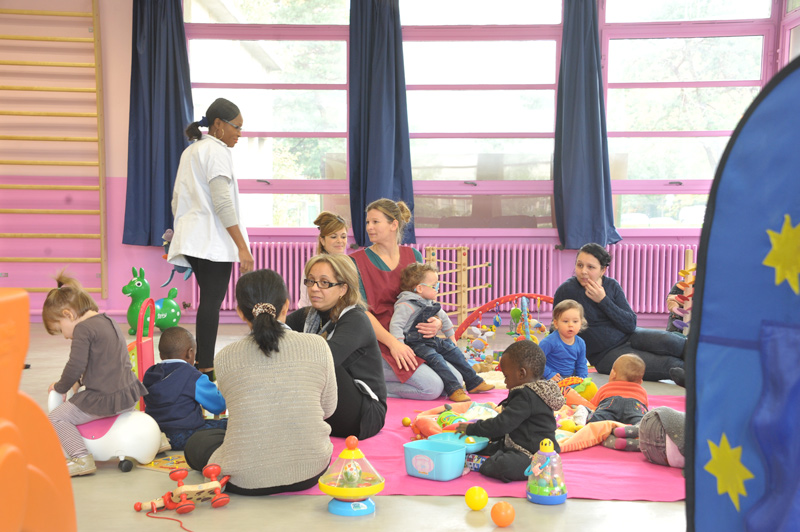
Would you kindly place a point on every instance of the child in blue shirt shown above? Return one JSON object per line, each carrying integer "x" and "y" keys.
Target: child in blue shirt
{"x": 566, "y": 351}
{"x": 178, "y": 392}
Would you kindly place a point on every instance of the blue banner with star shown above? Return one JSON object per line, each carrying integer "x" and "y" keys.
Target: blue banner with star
{"x": 743, "y": 360}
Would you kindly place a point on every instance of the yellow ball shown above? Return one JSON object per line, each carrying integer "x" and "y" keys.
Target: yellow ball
{"x": 406, "y": 422}
{"x": 469, "y": 439}
{"x": 476, "y": 498}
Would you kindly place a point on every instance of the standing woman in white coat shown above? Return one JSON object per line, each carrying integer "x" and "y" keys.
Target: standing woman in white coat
{"x": 209, "y": 236}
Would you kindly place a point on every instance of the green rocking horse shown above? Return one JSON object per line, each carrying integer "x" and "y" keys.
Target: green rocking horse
{"x": 168, "y": 312}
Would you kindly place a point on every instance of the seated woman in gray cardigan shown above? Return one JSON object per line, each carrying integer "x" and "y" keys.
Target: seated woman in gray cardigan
{"x": 279, "y": 386}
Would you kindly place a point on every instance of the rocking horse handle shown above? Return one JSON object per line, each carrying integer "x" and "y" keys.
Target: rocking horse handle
{"x": 147, "y": 304}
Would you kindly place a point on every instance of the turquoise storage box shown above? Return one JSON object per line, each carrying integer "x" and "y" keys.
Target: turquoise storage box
{"x": 434, "y": 460}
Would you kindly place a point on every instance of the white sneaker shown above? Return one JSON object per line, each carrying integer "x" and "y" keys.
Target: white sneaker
{"x": 165, "y": 445}
{"x": 83, "y": 465}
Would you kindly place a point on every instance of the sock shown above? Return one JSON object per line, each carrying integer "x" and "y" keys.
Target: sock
{"x": 622, "y": 444}
{"x": 581, "y": 415}
{"x": 628, "y": 431}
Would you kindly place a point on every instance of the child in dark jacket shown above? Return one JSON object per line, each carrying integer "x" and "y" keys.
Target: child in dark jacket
{"x": 178, "y": 392}
{"x": 527, "y": 416}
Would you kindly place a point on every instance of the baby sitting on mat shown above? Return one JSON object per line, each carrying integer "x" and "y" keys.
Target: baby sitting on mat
{"x": 416, "y": 304}
{"x": 622, "y": 399}
{"x": 526, "y": 417}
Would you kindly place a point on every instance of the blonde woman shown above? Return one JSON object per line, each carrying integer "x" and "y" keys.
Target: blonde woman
{"x": 337, "y": 312}
{"x": 380, "y": 267}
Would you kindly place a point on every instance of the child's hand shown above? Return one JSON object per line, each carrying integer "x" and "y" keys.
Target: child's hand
{"x": 51, "y": 387}
{"x": 461, "y": 428}
{"x": 557, "y": 377}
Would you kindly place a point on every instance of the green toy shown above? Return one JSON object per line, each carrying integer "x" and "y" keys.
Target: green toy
{"x": 168, "y": 312}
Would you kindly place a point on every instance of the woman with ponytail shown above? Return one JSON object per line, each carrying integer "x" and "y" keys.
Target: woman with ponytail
{"x": 279, "y": 386}
{"x": 209, "y": 236}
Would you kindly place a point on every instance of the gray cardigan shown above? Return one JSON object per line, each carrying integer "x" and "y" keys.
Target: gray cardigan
{"x": 277, "y": 406}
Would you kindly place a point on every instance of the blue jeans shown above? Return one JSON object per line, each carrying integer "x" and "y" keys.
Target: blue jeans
{"x": 424, "y": 384}
{"x": 622, "y": 409}
{"x": 437, "y": 353}
{"x": 661, "y": 350}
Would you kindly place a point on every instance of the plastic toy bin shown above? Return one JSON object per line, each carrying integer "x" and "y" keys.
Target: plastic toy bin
{"x": 434, "y": 460}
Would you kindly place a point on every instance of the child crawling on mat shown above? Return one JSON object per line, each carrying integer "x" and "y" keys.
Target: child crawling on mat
{"x": 622, "y": 399}
{"x": 416, "y": 304}
{"x": 178, "y": 392}
{"x": 526, "y": 418}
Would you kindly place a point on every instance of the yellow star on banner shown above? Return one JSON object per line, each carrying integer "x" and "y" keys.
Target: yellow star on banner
{"x": 726, "y": 465}
{"x": 785, "y": 254}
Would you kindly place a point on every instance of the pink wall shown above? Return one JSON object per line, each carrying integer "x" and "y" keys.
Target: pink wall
{"x": 115, "y": 18}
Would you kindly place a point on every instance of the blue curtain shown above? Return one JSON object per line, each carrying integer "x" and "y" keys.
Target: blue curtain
{"x": 581, "y": 177}
{"x": 160, "y": 109}
{"x": 380, "y": 159}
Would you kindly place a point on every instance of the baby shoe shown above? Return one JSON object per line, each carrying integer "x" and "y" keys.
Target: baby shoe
{"x": 459, "y": 396}
{"x": 482, "y": 387}
{"x": 165, "y": 445}
{"x": 83, "y": 465}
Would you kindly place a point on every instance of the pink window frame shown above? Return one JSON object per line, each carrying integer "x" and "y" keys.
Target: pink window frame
{"x": 775, "y": 28}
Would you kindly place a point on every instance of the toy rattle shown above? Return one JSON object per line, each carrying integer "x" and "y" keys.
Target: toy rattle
{"x": 545, "y": 476}
{"x": 182, "y": 500}
{"x": 351, "y": 480}
{"x": 448, "y": 417}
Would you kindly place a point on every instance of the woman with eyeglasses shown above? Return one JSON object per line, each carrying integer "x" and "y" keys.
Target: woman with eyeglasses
{"x": 332, "y": 239}
{"x": 337, "y": 313}
{"x": 379, "y": 268}
{"x": 209, "y": 236}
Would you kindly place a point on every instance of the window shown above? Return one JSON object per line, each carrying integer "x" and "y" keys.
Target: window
{"x": 481, "y": 89}
{"x": 675, "y": 92}
{"x": 285, "y": 65}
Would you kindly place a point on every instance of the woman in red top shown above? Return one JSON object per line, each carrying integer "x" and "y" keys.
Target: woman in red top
{"x": 379, "y": 268}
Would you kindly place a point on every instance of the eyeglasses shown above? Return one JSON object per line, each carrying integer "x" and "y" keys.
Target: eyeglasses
{"x": 237, "y": 128}
{"x": 434, "y": 286}
{"x": 323, "y": 284}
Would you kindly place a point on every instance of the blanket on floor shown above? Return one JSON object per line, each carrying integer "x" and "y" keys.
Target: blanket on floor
{"x": 594, "y": 473}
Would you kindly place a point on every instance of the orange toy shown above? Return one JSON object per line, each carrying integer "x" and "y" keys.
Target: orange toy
{"x": 182, "y": 500}
{"x": 503, "y": 514}
{"x": 30, "y": 453}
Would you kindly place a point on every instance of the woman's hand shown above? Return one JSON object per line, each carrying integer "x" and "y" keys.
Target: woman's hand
{"x": 403, "y": 355}
{"x": 429, "y": 329}
{"x": 595, "y": 290}
{"x": 246, "y": 261}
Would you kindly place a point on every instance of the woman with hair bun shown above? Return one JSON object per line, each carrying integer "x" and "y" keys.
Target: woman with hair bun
{"x": 332, "y": 240}
{"x": 279, "y": 386}
{"x": 380, "y": 267}
{"x": 209, "y": 236}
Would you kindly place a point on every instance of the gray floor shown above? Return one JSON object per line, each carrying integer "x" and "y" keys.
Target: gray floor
{"x": 104, "y": 501}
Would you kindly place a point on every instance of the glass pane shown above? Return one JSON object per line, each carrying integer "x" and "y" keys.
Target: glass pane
{"x": 283, "y": 12}
{"x": 672, "y": 159}
{"x": 290, "y": 158}
{"x": 665, "y": 10}
{"x": 471, "y": 212}
{"x": 659, "y": 210}
{"x": 477, "y": 12}
{"x": 268, "y": 61}
{"x": 481, "y": 111}
{"x": 481, "y": 159}
{"x": 281, "y": 110}
{"x": 291, "y": 210}
{"x": 705, "y": 59}
{"x": 794, "y": 42}
{"x": 678, "y": 109}
{"x": 791, "y": 5}
{"x": 453, "y": 63}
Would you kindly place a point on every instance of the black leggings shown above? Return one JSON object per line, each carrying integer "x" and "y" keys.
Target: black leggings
{"x": 202, "y": 444}
{"x": 212, "y": 278}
